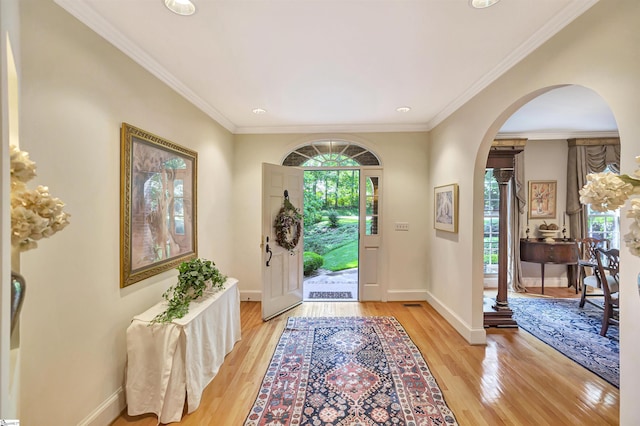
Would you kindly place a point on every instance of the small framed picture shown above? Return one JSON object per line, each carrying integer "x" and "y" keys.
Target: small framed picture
{"x": 542, "y": 199}
{"x": 445, "y": 201}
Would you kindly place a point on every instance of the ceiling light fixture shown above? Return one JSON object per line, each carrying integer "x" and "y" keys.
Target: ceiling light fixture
{"x": 481, "y": 4}
{"x": 181, "y": 7}
{"x": 403, "y": 109}
{"x": 258, "y": 111}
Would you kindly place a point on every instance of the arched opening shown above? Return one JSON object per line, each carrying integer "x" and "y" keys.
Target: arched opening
{"x": 564, "y": 133}
{"x": 331, "y": 153}
{"x": 342, "y": 183}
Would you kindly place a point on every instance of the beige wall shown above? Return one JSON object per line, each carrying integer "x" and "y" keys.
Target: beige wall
{"x": 599, "y": 51}
{"x": 545, "y": 160}
{"x": 76, "y": 91}
{"x": 404, "y": 158}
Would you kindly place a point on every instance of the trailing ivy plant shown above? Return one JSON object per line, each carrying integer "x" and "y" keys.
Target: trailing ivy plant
{"x": 193, "y": 280}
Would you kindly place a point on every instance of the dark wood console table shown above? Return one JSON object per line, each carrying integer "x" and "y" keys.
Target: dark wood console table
{"x": 557, "y": 252}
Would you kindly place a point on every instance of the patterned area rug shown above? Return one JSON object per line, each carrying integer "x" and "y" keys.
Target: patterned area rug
{"x": 330, "y": 295}
{"x": 573, "y": 331}
{"x": 357, "y": 371}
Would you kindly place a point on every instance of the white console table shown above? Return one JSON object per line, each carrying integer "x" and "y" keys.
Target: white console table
{"x": 168, "y": 363}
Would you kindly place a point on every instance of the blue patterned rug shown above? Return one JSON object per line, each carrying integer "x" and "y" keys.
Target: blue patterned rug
{"x": 573, "y": 331}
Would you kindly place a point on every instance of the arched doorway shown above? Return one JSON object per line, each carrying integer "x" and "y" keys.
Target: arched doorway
{"x": 551, "y": 124}
{"x": 342, "y": 206}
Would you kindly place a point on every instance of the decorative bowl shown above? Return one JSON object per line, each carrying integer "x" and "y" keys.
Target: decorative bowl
{"x": 549, "y": 234}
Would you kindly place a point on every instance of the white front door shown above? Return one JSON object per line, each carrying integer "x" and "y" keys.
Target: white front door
{"x": 281, "y": 268}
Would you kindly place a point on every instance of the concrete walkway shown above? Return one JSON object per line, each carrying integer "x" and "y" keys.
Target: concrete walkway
{"x": 327, "y": 286}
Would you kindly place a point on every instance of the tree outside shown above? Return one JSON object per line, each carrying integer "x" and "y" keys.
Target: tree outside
{"x": 331, "y": 207}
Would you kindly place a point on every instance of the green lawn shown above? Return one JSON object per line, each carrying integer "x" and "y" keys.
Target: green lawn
{"x": 344, "y": 257}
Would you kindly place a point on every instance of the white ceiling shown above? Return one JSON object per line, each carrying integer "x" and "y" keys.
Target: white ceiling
{"x": 342, "y": 65}
{"x": 570, "y": 111}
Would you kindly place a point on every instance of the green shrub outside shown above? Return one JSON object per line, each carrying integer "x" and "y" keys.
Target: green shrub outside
{"x": 312, "y": 210}
{"x": 491, "y": 259}
{"x": 315, "y": 246}
{"x": 312, "y": 262}
{"x": 321, "y": 238}
{"x": 333, "y": 218}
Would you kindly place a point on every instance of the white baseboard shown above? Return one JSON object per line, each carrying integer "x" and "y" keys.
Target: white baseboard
{"x": 108, "y": 411}
{"x": 251, "y": 295}
{"x": 473, "y": 336}
{"x": 490, "y": 282}
{"x": 406, "y": 295}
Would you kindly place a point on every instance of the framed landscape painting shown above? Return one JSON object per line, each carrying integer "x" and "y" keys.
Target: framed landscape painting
{"x": 158, "y": 227}
{"x": 446, "y": 208}
{"x": 542, "y": 199}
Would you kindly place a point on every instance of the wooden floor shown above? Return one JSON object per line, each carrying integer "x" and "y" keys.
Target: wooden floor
{"x": 514, "y": 380}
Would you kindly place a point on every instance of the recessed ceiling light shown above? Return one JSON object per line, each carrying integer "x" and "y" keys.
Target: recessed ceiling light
{"x": 258, "y": 111}
{"x": 481, "y": 4}
{"x": 403, "y": 109}
{"x": 181, "y": 7}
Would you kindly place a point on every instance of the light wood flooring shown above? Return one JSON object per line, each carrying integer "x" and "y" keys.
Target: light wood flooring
{"x": 514, "y": 379}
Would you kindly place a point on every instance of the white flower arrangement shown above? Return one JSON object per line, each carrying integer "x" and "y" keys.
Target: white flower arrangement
{"x": 607, "y": 191}
{"x": 35, "y": 214}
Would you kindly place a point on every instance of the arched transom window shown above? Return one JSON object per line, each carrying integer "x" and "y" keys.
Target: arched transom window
{"x": 331, "y": 153}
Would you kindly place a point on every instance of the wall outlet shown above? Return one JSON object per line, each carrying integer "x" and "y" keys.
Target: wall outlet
{"x": 402, "y": 226}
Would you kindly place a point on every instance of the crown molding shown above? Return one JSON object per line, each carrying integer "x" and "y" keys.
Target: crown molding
{"x": 557, "y": 135}
{"x": 342, "y": 128}
{"x": 85, "y": 14}
{"x": 551, "y": 28}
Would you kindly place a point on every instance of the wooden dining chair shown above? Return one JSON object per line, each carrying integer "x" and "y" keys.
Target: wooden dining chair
{"x": 608, "y": 262}
{"x": 587, "y": 265}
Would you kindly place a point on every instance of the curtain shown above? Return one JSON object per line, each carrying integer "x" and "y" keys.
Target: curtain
{"x": 582, "y": 160}
{"x": 516, "y": 206}
{"x": 576, "y": 178}
{"x": 600, "y": 156}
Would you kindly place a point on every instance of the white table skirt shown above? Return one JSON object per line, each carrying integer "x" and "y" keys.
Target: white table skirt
{"x": 165, "y": 361}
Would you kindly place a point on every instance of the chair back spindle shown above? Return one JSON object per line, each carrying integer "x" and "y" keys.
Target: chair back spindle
{"x": 607, "y": 273}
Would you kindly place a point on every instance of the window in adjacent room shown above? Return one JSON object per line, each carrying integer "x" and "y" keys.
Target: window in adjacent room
{"x": 491, "y": 223}
{"x": 604, "y": 225}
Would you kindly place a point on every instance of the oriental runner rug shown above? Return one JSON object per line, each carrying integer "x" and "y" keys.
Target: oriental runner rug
{"x": 360, "y": 371}
{"x": 573, "y": 331}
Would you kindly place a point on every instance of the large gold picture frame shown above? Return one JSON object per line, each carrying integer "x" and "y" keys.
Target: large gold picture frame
{"x": 158, "y": 205}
